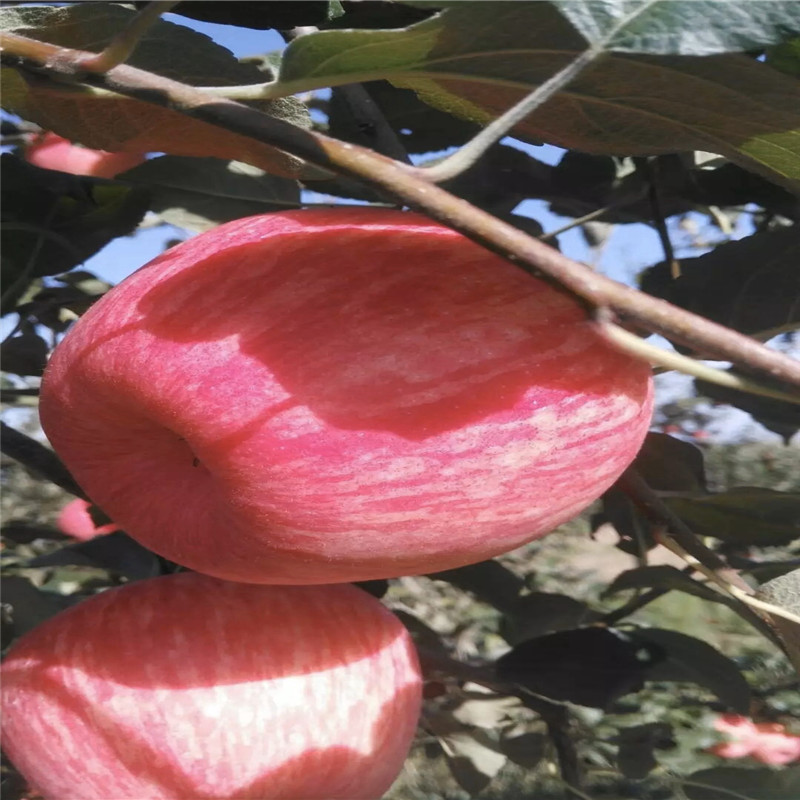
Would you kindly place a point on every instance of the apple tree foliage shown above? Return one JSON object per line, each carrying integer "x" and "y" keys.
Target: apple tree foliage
{"x": 687, "y": 114}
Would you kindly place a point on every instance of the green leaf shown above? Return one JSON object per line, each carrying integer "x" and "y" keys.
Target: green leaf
{"x": 744, "y": 515}
{"x": 692, "y": 660}
{"x": 751, "y": 284}
{"x": 682, "y": 27}
{"x": 786, "y": 57}
{"x": 477, "y": 59}
{"x": 199, "y": 194}
{"x": 119, "y": 123}
{"x": 733, "y": 783}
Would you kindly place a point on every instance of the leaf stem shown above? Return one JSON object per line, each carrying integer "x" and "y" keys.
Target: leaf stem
{"x": 464, "y": 158}
{"x": 635, "y": 345}
{"x": 121, "y": 47}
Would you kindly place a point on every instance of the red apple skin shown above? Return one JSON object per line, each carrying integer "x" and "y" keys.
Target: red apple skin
{"x": 51, "y": 151}
{"x": 335, "y": 395}
{"x": 75, "y": 520}
{"x": 186, "y": 686}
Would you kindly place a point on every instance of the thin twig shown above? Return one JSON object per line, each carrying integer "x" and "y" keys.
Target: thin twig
{"x": 651, "y": 168}
{"x": 635, "y": 486}
{"x": 708, "y": 338}
{"x": 121, "y": 47}
{"x": 575, "y": 223}
{"x": 464, "y": 158}
{"x": 637, "y": 603}
{"x": 671, "y": 360}
{"x": 671, "y": 528}
{"x": 743, "y": 597}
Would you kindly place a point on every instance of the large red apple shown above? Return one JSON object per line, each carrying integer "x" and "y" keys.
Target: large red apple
{"x": 186, "y": 686}
{"x": 335, "y": 395}
{"x": 51, "y": 151}
{"x": 75, "y": 520}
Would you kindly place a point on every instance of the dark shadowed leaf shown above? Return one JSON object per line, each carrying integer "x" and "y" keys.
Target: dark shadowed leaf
{"x": 420, "y": 128}
{"x": 264, "y": 15}
{"x": 721, "y": 783}
{"x": 662, "y": 576}
{"x": 79, "y": 291}
{"x": 28, "y": 605}
{"x": 53, "y": 221}
{"x": 25, "y": 353}
{"x": 489, "y": 581}
{"x": 751, "y": 284}
{"x": 527, "y": 749}
{"x": 478, "y": 59}
{"x": 113, "y": 551}
{"x": 24, "y": 532}
{"x": 692, "y": 660}
{"x": 381, "y": 14}
{"x": 425, "y": 638}
{"x": 201, "y": 193}
{"x": 167, "y": 49}
{"x": 376, "y": 588}
{"x": 634, "y": 530}
{"x": 588, "y": 666}
{"x": 537, "y": 613}
{"x": 745, "y": 515}
{"x": 766, "y": 571}
{"x": 682, "y": 27}
{"x": 635, "y": 757}
{"x": 777, "y": 415}
{"x": 671, "y": 465}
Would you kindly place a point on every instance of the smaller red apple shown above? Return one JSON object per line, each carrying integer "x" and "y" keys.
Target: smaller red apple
{"x": 75, "y": 520}
{"x": 187, "y": 686}
{"x": 51, "y": 151}
{"x": 766, "y": 742}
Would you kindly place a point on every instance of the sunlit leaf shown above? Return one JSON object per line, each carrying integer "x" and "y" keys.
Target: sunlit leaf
{"x": 682, "y": 27}
{"x": 477, "y": 59}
